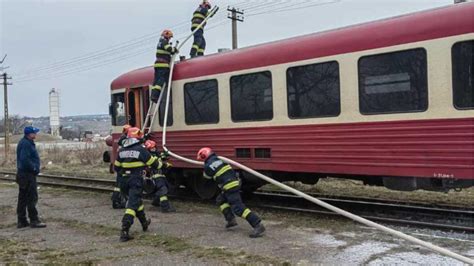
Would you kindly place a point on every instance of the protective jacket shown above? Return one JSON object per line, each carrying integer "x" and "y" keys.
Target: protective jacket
{"x": 222, "y": 173}
{"x": 164, "y": 50}
{"x": 133, "y": 158}
{"x": 198, "y": 16}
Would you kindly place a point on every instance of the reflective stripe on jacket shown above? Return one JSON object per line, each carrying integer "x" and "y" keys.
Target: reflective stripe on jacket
{"x": 198, "y": 17}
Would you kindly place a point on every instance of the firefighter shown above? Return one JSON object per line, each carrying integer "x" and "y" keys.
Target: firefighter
{"x": 118, "y": 198}
{"x": 131, "y": 162}
{"x": 199, "y": 44}
{"x": 161, "y": 186}
{"x": 164, "y": 51}
{"x": 229, "y": 199}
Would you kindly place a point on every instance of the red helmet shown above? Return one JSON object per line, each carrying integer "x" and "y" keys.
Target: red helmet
{"x": 150, "y": 144}
{"x": 134, "y": 132}
{"x": 167, "y": 34}
{"x": 204, "y": 153}
{"x": 206, "y": 4}
{"x": 125, "y": 128}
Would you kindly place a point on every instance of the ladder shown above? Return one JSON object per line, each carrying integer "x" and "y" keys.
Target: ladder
{"x": 154, "y": 107}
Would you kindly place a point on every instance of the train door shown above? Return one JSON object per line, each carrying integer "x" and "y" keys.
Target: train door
{"x": 134, "y": 106}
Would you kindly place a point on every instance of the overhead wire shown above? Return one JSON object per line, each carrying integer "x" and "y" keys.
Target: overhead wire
{"x": 103, "y": 63}
{"x": 114, "y": 51}
{"x": 134, "y": 47}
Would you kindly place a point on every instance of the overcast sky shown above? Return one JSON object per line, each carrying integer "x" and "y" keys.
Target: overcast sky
{"x": 80, "y": 46}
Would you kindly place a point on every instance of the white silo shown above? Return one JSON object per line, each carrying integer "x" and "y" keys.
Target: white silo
{"x": 54, "y": 112}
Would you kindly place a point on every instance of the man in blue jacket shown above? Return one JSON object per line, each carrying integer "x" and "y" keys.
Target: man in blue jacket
{"x": 28, "y": 167}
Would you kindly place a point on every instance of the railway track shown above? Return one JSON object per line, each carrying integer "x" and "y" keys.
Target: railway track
{"x": 419, "y": 215}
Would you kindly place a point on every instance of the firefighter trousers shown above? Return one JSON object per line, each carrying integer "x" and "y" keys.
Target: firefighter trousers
{"x": 133, "y": 187}
{"x": 162, "y": 75}
{"x": 199, "y": 44}
{"x": 230, "y": 203}
{"x": 118, "y": 198}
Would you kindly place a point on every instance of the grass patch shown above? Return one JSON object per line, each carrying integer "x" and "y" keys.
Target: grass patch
{"x": 14, "y": 252}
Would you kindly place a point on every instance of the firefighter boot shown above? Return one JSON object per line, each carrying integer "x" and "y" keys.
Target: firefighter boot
{"x": 257, "y": 231}
{"x": 125, "y": 236}
{"x": 127, "y": 222}
{"x": 143, "y": 220}
{"x": 166, "y": 206}
{"x": 145, "y": 224}
{"x": 231, "y": 223}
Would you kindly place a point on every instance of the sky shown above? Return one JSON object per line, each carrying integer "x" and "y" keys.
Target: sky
{"x": 80, "y": 46}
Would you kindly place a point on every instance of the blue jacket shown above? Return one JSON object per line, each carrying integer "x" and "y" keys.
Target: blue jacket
{"x": 27, "y": 158}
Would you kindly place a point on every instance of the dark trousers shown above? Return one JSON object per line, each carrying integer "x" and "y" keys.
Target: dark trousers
{"x": 161, "y": 194}
{"x": 162, "y": 75}
{"x": 119, "y": 199}
{"x": 231, "y": 204}
{"x": 27, "y": 197}
{"x": 199, "y": 44}
{"x": 133, "y": 187}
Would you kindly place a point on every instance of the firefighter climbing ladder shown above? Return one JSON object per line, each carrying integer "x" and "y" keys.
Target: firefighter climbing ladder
{"x": 301, "y": 194}
{"x": 154, "y": 107}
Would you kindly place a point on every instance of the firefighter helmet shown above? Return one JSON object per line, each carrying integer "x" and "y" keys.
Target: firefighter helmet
{"x": 150, "y": 144}
{"x": 167, "y": 34}
{"x": 125, "y": 128}
{"x": 204, "y": 153}
{"x": 206, "y": 4}
{"x": 135, "y": 132}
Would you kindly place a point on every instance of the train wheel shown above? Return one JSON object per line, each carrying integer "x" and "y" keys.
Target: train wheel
{"x": 205, "y": 188}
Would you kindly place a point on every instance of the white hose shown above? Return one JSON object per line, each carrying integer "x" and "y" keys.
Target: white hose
{"x": 306, "y": 196}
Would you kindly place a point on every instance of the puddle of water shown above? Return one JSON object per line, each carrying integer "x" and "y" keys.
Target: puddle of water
{"x": 470, "y": 253}
{"x": 327, "y": 241}
{"x": 359, "y": 254}
{"x": 414, "y": 258}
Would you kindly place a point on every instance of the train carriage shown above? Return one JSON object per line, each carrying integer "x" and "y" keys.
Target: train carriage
{"x": 388, "y": 102}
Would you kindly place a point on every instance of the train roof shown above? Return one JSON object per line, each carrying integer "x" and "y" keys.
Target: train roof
{"x": 432, "y": 24}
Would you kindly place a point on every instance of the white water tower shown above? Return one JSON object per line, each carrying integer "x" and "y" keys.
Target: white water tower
{"x": 54, "y": 112}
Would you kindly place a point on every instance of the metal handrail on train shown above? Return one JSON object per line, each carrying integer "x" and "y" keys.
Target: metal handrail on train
{"x": 321, "y": 203}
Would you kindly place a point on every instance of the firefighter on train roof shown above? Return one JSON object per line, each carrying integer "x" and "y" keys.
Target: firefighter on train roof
{"x": 199, "y": 44}
{"x": 159, "y": 183}
{"x": 229, "y": 199}
{"x": 131, "y": 162}
{"x": 164, "y": 51}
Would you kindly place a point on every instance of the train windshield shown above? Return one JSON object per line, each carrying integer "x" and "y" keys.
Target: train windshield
{"x": 118, "y": 109}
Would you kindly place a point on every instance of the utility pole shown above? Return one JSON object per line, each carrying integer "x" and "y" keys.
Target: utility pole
{"x": 5, "y": 119}
{"x": 235, "y": 15}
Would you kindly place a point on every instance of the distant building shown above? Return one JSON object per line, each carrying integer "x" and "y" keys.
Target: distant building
{"x": 54, "y": 112}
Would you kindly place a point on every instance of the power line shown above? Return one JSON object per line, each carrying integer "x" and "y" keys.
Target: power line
{"x": 292, "y": 7}
{"x": 135, "y": 46}
{"x": 136, "y": 42}
{"x": 67, "y": 72}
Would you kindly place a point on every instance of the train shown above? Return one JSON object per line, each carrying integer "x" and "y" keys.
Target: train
{"x": 389, "y": 102}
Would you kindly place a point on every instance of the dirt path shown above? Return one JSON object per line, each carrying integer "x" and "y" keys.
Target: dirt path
{"x": 83, "y": 228}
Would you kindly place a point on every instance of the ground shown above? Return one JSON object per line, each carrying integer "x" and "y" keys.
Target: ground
{"x": 83, "y": 228}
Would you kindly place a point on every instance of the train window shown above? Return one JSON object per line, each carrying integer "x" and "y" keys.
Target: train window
{"x": 263, "y": 153}
{"x": 251, "y": 97}
{"x": 393, "y": 82}
{"x": 117, "y": 110}
{"x": 201, "y": 102}
{"x": 170, "y": 110}
{"x": 463, "y": 58}
{"x": 243, "y": 153}
{"x": 313, "y": 90}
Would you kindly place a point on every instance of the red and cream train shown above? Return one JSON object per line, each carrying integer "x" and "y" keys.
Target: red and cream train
{"x": 388, "y": 102}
